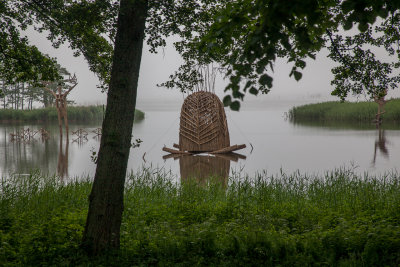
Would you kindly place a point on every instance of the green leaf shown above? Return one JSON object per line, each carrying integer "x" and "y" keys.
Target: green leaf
{"x": 348, "y": 25}
{"x": 235, "y": 105}
{"x": 383, "y": 13}
{"x": 311, "y": 56}
{"x": 248, "y": 84}
{"x": 348, "y": 6}
{"x": 227, "y": 100}
{"x": 362, "y": 27}
{"x": 301, "y": 63}
{"x": 297, "y": 75}
{"x": 265, "y": 79}
{"x": 237, "y": 94}
{"x": 253, "y": 91}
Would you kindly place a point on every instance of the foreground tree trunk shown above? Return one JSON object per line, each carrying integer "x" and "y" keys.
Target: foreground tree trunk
{"x": 102, "y": 231}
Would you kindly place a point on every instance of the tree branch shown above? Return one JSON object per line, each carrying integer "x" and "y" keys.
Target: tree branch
{"x": 69, "y": 90}
{"x": 42, "y": 11}
{"x": 48, "y": 89}
{"x": 338, "y": 52}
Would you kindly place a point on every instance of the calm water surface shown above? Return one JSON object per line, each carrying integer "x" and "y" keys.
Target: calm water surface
{"x": 273, "y": 144}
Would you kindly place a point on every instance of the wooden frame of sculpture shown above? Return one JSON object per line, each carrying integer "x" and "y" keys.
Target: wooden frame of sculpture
{"x": 203, "y": 126}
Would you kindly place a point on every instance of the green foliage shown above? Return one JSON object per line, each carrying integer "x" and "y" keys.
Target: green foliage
{"x": 75, "y": 113}
{"x": 139, "y": 115}
{"x": 245, "y": 37}
{"x": 360, "y": 112}
{"x": 22, "y": 95}
{"x": 361, "y": 72}
{"x": 293, "y": 220}
{"x": 88, "y": 26}
{"x": 43, "y": 219}
{"x": 20, "y": 61}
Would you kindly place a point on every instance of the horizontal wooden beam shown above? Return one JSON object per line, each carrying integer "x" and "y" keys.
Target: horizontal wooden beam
{"x": 228, "y": 149}
{"x": 174, "y": 151}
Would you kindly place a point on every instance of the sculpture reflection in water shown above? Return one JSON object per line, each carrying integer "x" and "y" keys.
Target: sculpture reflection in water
{"x": 380, "y": 144}
{"x": 62, "y": 165}
{"x": 202, "y": 168}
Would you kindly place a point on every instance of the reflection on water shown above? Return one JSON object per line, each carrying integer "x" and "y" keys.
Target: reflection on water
{"x": 344, "y": 125}
{"x": 51, "y": 154}
{"x": 23, "y": 156}
{"x": 278, "y": 144}
{"x": 202, "y": 168}
{"x": 62, "y": 165}
{"x": 380, "y": 144}
{"x": 205, "y": 167}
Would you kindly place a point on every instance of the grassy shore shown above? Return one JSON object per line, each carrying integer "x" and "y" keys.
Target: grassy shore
{"x": 75, "y": 114}
{"x": 339, "y": 219}
{"x": 360, "y": 112}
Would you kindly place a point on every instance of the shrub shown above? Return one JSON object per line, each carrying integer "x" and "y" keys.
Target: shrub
{"x": 338, "y": 219}
{"x": 360, "y": 112}
{"x": 75, "y": 113}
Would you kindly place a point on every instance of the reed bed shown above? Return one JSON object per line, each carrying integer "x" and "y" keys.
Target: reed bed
{"x": 361, "y": 112}
{"x": 75, "y": 114}
{"x": 336, "y": 219}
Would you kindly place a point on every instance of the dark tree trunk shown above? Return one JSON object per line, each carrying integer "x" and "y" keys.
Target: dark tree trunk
{"x": 102, "y": 231}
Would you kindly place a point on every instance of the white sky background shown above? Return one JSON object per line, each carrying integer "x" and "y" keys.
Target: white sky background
{"x": 155, "y": 68}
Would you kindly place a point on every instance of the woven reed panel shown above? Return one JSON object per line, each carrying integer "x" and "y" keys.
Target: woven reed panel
{"x": 202, "y": 168}
{"x": 203, "y": 126}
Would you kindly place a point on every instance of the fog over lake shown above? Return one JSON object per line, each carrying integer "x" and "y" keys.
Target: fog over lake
{"x": 273, "y": 144}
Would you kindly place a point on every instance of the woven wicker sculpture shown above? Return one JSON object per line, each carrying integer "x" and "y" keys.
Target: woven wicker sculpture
{"x": 203, "y": 126}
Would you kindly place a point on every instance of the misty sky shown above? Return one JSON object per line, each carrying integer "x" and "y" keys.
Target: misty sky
{"x": 155, "y": 68}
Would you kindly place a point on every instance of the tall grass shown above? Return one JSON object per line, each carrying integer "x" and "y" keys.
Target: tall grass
{"x": 290, "y": 220}
{"x": 75, "y": 113}
{"x": 345, "y": 111}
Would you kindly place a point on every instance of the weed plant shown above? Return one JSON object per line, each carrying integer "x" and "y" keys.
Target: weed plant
{"x": 339, "y": 219}
{"x": 75, "y": 114}
{"x": 361, "y": 112}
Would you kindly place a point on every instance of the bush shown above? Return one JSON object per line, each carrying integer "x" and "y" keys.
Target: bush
{"x": 290, "y": 220}
{"x": 75, "y": 114}
{"x": 360, "y": 112}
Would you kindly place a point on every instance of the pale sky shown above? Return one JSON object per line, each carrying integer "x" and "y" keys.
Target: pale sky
{"x": 155, "y": 68}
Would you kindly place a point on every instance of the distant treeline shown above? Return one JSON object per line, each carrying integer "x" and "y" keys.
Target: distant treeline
{"x": 49, "y": 114}
{"x": 361, "y": 112}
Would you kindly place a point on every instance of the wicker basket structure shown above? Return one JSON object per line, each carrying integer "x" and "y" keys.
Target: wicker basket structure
{"x": 203, "y": 125}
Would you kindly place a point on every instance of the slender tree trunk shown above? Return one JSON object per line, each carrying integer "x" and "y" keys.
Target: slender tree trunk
{"x": 102, "y": 231}
{"x": 22, "y": 96}
{"x": 15, "y": 97}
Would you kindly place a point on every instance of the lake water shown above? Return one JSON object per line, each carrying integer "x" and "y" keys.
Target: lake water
{"x": 273, "y": 144}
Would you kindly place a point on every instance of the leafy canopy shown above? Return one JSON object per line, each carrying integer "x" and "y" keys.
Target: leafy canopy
{"x": 88, "y": 27}
{"x": 251, "y": 34}
{"x": 243, "y": 37}
{"x": 20, "y": 61}
{"x": 360, "y": 70}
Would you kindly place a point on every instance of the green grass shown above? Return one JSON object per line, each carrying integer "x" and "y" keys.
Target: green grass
{"x": 360, "y": 112}
{"x": 338, "y": 219}
{"x": 75, "y": 114}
